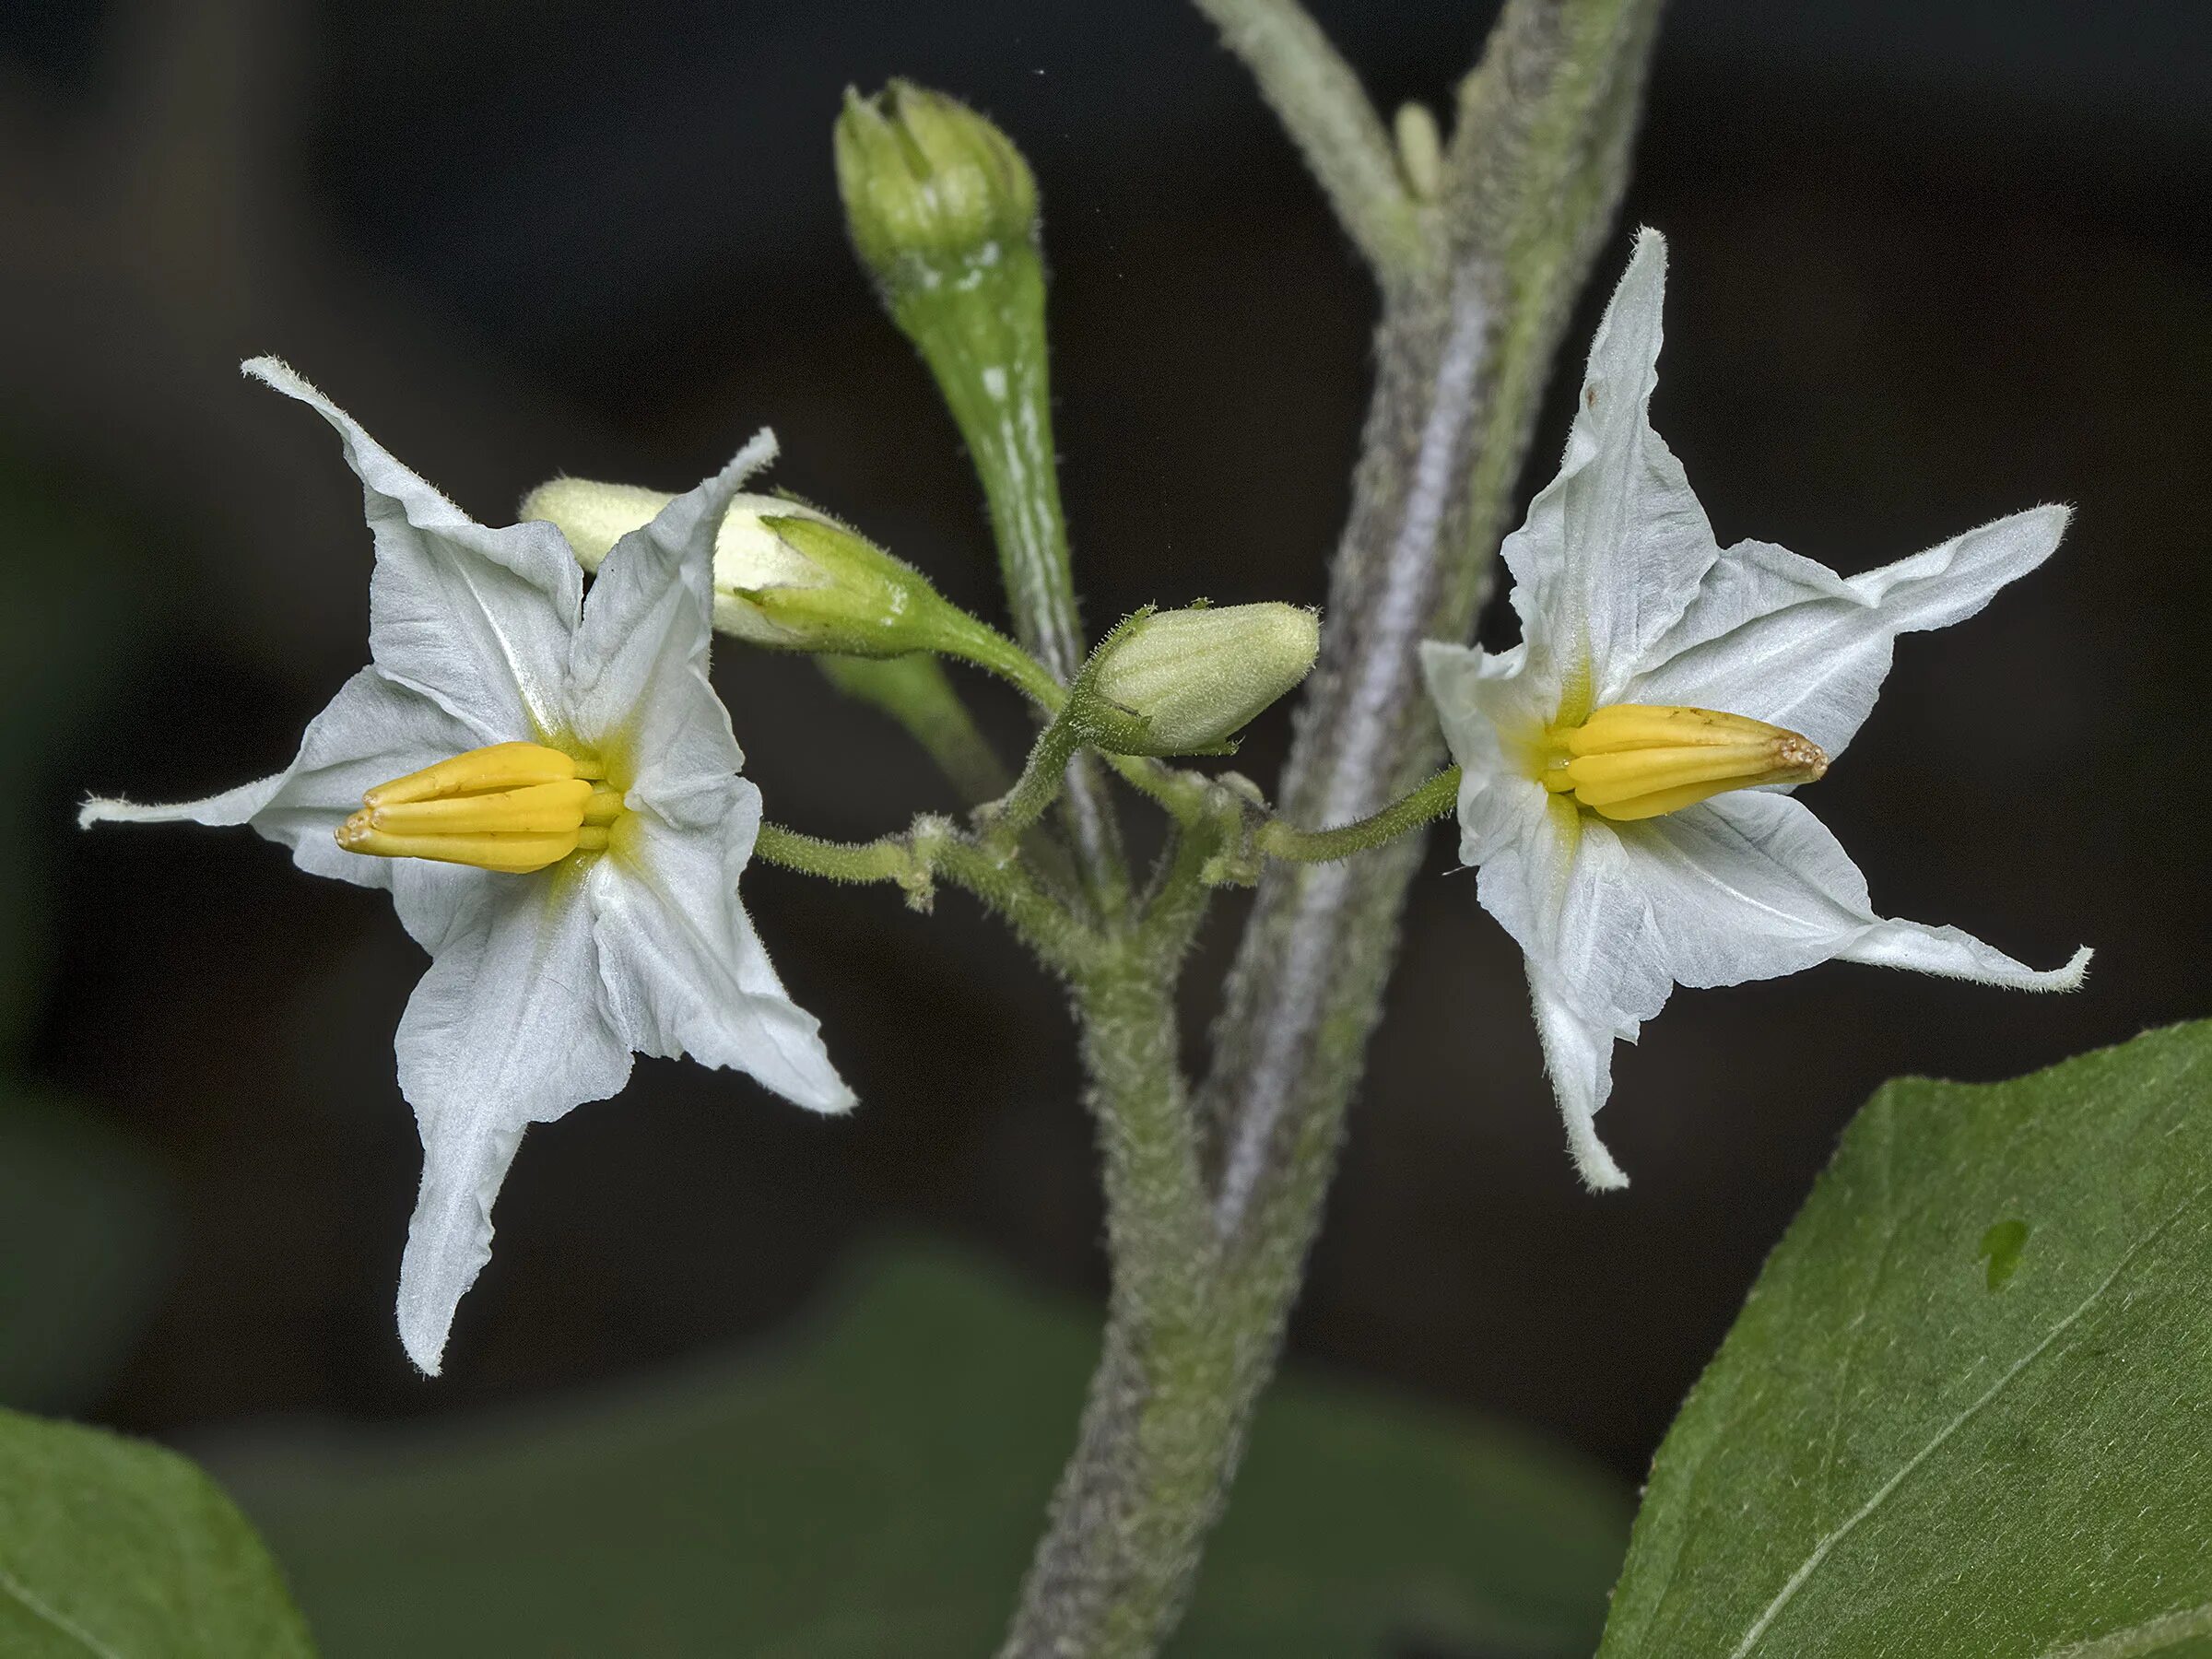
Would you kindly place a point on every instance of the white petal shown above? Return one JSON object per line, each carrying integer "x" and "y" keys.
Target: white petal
{"x": 1783, "y": 639}
{"x": 374, "y": 731}
{"x": 477, "y": 619}
{"x": 639, "y": 666}
{"x": 1567, "y": 894}
{"x": 1952, "y": 953}
{"x": 1752, "y": 886}
{"x": 684, "y": 972}
{"x": 1596, "y": 969}
{"x": 1484, "y": 703}
{"x": 1615, "y": 545}
{"x": 1578, "y": 1057}
{"x": 507, "y": 1029}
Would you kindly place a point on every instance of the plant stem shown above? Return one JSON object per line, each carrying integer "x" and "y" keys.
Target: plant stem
{"x": 914, "y": 691}
{"x": 1431, "y": 800}
{"x": 1042, "y": 777}
{"x": 1143, "y": 1487}
{"x": 1318, "y": 97}
{"x": 987, "y": 349}
{"x": 889, "y": 858}
{"x": 933, "y": 847}
{"x": 1464, "y": 347}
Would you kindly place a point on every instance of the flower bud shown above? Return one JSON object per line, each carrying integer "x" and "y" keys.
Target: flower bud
{"x": 786, "y": 576}
{"x": 1180, "y": 682}
{"x": 927, "y": 181}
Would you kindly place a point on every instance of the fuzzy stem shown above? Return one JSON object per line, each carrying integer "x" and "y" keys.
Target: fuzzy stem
{"x": 932, "y": 848}
{"x": 1530, "y": 185}
{"x": 985, "y": 344}
{"x": 1142, "y": 1488}
{"x": 1319, "y": 100}
{"x": 1431, "y": 800}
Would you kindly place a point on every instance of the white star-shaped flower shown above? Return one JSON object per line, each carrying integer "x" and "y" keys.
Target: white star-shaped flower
{"x": 548, "y": 786}
{"x": 1657, "y": 671}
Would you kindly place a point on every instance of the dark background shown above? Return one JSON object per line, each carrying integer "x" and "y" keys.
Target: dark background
{"x": 1932, "y": 262}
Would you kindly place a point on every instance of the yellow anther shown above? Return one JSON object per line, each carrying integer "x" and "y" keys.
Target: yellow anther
{"x": 1634, "y": 761}
{"x": 513, "y": 807}
{"x": 502, "y": 766}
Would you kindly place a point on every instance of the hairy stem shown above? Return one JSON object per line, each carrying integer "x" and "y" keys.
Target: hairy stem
{"x": 1319, "y": 100}
{"x": 1063, "y": 942}
{"x": 1464, "y": 347}
{"x": 1142, "y": 1487}
{"x": 1409, "y": 811}
{"x": 988, "y": 357}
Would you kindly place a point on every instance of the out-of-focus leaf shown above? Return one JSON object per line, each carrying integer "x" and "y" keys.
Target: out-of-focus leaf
{"x": 876, "y": 1489}
{"x": 84, "y": 1227}
{"x": 116, "y": 1548}
{"x": 1968, "y": 1408}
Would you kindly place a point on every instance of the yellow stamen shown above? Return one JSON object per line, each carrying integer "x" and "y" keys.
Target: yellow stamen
{"x": 513, "y": 807}
{"x": 1634, "y": 761}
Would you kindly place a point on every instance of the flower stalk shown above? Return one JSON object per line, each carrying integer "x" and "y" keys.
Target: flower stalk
{"x": 943, "y": 212}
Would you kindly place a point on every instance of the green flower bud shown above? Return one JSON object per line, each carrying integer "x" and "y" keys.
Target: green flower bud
{"x": 928, "y": 182}
{"x": 1180, "y": 682}
{"x": 786, "y": 576}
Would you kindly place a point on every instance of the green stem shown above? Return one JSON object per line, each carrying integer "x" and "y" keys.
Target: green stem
{"x": 1431, "y": 800}
{"x": 985, "y": 341}
{"x": 1463, "y": 350}
{"x": 933, "y": 847}
{"x": 991, "y": 651}
{"x": 1142, "y": 1483}
{"x": 1042, "y": 780}
{"x": 1319, "y": 100}
{"x": 889, "y": 858}
{"x": 915, "y": 691}
{"x": 1183, "y": 793}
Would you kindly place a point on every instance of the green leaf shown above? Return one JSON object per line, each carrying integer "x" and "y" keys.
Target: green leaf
{"x": 1968, "y": 1408}
{"x": 875, "y": 1489}
{"x": 110, "y": 1548}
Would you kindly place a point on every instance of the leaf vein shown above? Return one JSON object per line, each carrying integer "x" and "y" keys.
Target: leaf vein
{"x": 2146, "y": 1638}
{"x": 38, "y": 1609}
{"x": 1811, "y": 1563}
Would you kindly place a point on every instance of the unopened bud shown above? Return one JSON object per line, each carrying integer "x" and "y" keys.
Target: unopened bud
{"x": 1180, "y": 682}
{"x": 928, "y": 181}
{"x": 786, "y": 575}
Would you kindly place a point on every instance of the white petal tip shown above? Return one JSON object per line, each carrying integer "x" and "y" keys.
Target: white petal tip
{"x": 272, "y": 371}
{"x": 2072, "y": 975}
{"x": 818, "y": 1088}
{"x": 759, "y": 450}
{"x": 100, "y": 809}
{"x": 1591, "y": 1161}
{"x": 1601, "y": 1177}
{"x": 2048, "y": 521}
{"x": 423, "y": 1333}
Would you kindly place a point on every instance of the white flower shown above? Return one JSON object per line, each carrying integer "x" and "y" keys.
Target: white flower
{"x": 552, "y": 798}
{"x": 1656, "y": 672}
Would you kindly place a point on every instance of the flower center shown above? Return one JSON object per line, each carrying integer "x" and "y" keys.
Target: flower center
{"x": 514, "y": 806}
{"x": 1635, "y": 761}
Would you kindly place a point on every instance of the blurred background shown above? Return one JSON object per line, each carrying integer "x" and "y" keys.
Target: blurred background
{"x": 1932, "y": 262}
